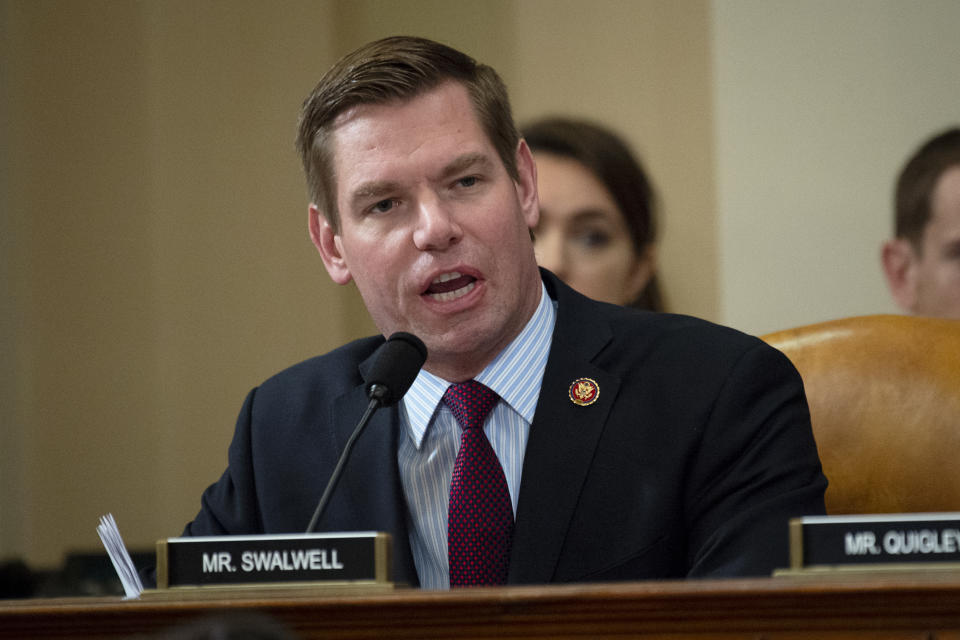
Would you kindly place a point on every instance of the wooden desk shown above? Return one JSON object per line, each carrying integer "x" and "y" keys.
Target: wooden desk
{"x": 915, "y": 606}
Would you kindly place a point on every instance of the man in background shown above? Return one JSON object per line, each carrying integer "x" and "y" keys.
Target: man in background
{"x": 922, "y": 261}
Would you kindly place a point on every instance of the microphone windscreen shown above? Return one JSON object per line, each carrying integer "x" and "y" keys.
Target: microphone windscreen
{"x": 395, "y": 366}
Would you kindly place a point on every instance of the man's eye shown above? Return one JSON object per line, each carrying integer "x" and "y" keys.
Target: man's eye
{"x": 383, "y": 206}
{"x": 467, "y": 181}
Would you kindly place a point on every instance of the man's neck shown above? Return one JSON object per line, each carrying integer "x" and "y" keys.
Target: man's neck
{"x": 461, "y": 366}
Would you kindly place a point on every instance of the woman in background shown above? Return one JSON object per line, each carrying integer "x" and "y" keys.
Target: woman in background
{"x": 597, "y": 227}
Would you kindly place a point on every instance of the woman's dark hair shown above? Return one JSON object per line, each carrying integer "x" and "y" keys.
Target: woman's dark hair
{"x": 609, "y": 158}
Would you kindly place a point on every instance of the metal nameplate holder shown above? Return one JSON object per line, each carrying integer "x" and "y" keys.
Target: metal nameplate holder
{"x": 340, "y": 560}
{"x": 874, "y": 543}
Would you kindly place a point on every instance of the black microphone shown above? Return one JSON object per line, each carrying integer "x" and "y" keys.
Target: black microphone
{"x": 396, "y": 364}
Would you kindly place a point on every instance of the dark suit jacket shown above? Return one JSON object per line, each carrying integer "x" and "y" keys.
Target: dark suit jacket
{"x": 696, "y": 453}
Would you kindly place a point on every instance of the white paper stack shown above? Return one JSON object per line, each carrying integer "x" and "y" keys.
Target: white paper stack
{"x": 119, "y": 556}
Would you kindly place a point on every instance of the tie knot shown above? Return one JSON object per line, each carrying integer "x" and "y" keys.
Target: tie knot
{"x": 470, "y": 403}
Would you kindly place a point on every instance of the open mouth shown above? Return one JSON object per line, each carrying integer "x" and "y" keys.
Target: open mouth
{"x": 450, "y": 286}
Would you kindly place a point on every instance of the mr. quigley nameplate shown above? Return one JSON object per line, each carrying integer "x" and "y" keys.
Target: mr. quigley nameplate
{"x": 886, "y": 539}
{"x": 258, "y": 559}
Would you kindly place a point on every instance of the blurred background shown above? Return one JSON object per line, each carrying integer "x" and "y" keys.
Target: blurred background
{"x": 154, "y": 257}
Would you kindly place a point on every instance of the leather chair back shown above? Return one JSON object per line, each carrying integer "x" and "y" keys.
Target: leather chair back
{"x": 884, "y": 396}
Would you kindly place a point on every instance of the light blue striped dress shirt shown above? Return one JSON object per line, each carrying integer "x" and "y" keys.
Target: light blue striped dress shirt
{"x": 431, "y": 438}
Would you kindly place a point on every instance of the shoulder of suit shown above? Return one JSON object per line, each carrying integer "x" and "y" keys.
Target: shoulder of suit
{"x": 677, "y": 333}
{"x": 334, "y": 371}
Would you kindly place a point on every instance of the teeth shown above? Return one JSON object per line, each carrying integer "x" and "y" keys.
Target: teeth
{"x": 448, "y": 276}
{"x": 453, "y": 295}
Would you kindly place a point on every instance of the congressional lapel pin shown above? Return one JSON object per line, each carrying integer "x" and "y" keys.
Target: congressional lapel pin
{"x": 584, "y": 391}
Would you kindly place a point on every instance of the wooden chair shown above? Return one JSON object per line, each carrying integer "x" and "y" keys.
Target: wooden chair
{"x": 884, "y": 395}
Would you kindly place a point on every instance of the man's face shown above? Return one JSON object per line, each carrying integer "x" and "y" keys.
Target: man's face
{"x": 930, "y": 281}
{"x": 433, "y": 230}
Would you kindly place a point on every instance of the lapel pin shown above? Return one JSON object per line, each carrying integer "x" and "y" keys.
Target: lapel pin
{"x": 584, "y": 391}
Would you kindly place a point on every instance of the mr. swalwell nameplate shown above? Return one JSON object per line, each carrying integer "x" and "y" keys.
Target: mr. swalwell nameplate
{"x": 883, "y": 539}
{"x": 288, "y": 558}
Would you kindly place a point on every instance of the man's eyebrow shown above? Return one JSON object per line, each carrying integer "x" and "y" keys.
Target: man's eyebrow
{"x": 466, "y": 161}
{"x": 374, "y": 189}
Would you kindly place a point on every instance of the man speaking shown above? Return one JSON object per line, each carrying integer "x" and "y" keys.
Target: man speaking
{"x": 548, "y": 437}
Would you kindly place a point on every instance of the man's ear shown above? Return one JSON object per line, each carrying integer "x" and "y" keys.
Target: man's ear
{"x": 900, "y": 267}
{"x": 328, "y": 244}
{"x": 527, "y": 184}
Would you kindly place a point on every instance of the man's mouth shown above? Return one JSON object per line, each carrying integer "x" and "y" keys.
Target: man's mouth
{"x": 450, "y": 286}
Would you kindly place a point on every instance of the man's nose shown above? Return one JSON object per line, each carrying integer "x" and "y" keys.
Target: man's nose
{"x": 436, "y": 227}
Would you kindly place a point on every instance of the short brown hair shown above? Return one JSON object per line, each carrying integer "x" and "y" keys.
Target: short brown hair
{"x": 395, "y": 69}
{"x": 917, "y": 181}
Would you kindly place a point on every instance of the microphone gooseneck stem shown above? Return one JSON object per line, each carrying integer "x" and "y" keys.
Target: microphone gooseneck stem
{"x": 335, "y": 476}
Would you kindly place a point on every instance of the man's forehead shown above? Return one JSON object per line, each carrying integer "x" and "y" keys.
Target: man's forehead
{"x": 364, "y": 109}
{"x": 946, "y": 194}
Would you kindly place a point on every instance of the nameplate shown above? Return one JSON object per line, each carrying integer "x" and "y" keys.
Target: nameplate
{"x": 875, "y": 540}
{"x": 271, "y": 559}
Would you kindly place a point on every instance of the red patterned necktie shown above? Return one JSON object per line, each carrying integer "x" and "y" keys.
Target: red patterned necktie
{"x": 480, "y": 526}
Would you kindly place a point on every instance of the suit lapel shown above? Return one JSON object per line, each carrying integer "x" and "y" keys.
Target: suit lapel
{"x": 562, "y": 441}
